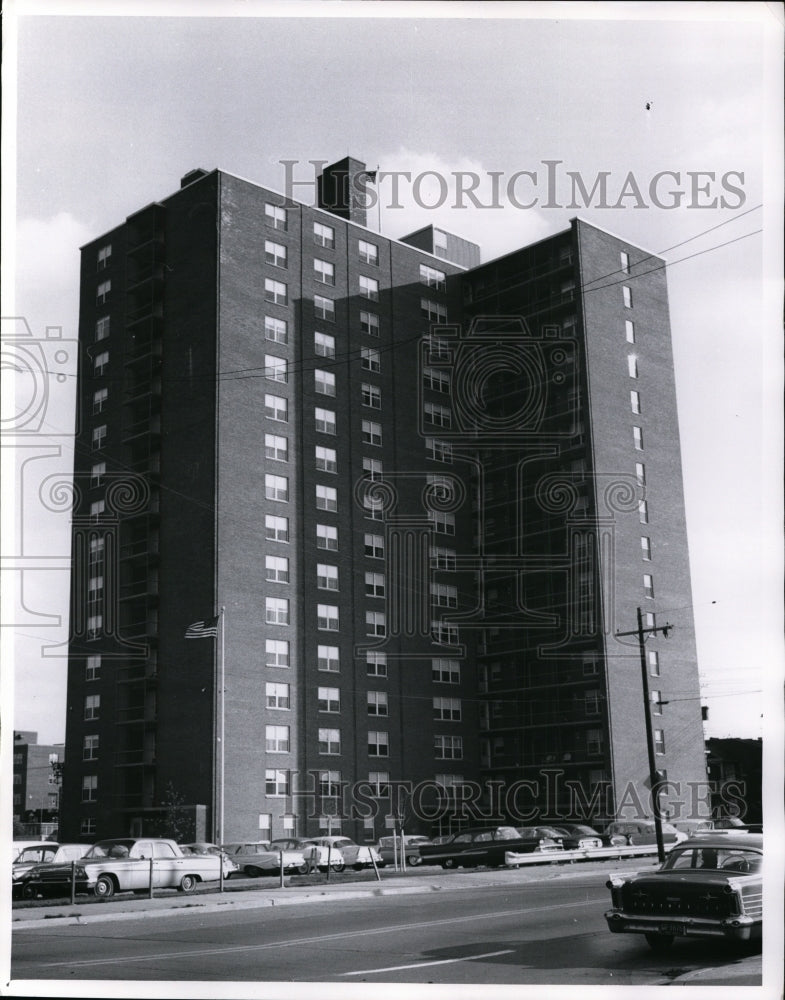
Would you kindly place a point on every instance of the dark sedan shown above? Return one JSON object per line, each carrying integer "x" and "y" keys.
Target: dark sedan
{"x": 480, "y": 846}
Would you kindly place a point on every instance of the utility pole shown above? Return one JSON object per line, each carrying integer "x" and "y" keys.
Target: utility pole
{"x": 654, "y": 777}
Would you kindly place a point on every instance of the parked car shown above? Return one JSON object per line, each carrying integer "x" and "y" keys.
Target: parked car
{"x": 255, "y": 858}
{"x": 578, "y": 837}
{"x": 203, "y": 847}
{"x": 390, "y": 851}
{"x": 550, "y": 839}
{"x": 642, "y": 831}
{"x": 122, "y": 865}
{"x": 36, "y": 854}
{"x": 312, "y": 851}
{"x": 355, "y": 855}
{"x": 709, "y": 886}
{"x": 486, "y": 845}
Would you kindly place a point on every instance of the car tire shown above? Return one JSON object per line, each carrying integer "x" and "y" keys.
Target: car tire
{"x": 659, "y": 942}
{"x": 29, "y": 891}
{"x": 413, "y": 860}
{"x": 304, "y": 868}
{"x": 104, "y": 887}
{"x": 337, "y": 866}
{"x": 187, "y": 883}
{"x": 449, "y": 863}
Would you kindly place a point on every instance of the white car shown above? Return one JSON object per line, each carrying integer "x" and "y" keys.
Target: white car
{"x": 353, "y": 854}
{"x": 314, "y": 853}
{"x": 255, "y": 858}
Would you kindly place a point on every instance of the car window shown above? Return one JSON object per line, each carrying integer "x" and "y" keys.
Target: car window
{"x": 506, "y": 833}
{"x": 463, "y": 838}
{"x": 482, "y": 837}
{"x": 144, "y": 849}
{"x": 163, "y": 850}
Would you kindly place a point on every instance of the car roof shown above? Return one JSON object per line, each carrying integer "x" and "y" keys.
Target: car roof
{"x": 724, "y": 841}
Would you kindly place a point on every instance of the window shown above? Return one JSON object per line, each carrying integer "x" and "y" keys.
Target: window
{"x": 104, "y": 256}
{"x": 275, "y": 291}
{"x": 326, "y": 497}
{"x": 275, "y": 253}
{"x": 276, "y": 448}
{"x": 323, "y": 345}
{"x": 276, "y": 407}
{"x": 643, "y": 512}
{"x": 629, "y": 331}
{"x": 443, "y": 521}
{"x": 444, "y": 634}
{"x": 89, "y": 788}
{"x": 648, "y": 585}
{"x": 102, "y": 292}
{"x": 447, "y": 709}
{"x": 378, "y": 744}
{"x": 369, "y": 288}
{"x": 276, "y": 783}
{"x": 591, "y": 702}
{"x": 92, "y": 706}
{"x": 377, "y": 703}
{"x": 276, "y": 330}
{"x": 326, "y": 537}
{"x": 442, "y": 558}
{"x": 97, "y": 473}
{"x": 99, "y": 436}
{"x": 90, "y": 748}
{"x": 374, "y": 546}
{"x": 433, "y": 378}
{"x": 637, "y": 437}
{"x": 368, "y": 252}
{"x": 380, "y": 783}
{"x": 323, "y": 236}
{"x": 653, "y": 659}
{"x": 369, "y": 323}
{"x": 276, "y": 610}
{"x": 87, "y": 827}
{"x": 375, "y": 623}
{"x": 330, "y": 784}
{"x": 324, "y": 382}
{"x": 659, "y": 741}
{"x": 102, "y": 328}
{"x": 327, "y": 617}
{"x": 448, "y": 747}
{"x": 370, "y": 359}
{"x": 326, "y": 577}
{"x": 96, "y": 552}
{"x": 594, "y": 741}
{"x": 444, "y": 595}
{"x": 376, "y": 664}
{"x": 433, "y": 311}
{"x": 627, "y": 295}
{"x": 276, "y": 739}
{"x": 444, "y": 671}
{"x": 325, "y": 420}
{"x": 373, "y": 468}
{"x": 275, "y": 216}
{"x": 276, "y": 488}
{"x": 324, "y": 308}
{"x": 656, "y": 702}
{"x": 275, "y": 368}
{"x": 326, "y": 459}
{"x": 328, "y": 659}
{"x": 329, "y": 699}
{"x": 276, "y": 569}
{"x": 100, "y": 362}
{"x": 94, "y": 625}
{"x": 372, "y": 396}
{"x": 635, "y": 401}
{"x": 92, "y": 668}
{"x": 374, "y": 584}
{"x": 432, "y": 277}
{"x": 439, "y": 451}
{"x": 646, "y": 548}
{"x": 625, "y": 262}
{"x": 276, "y": 529}
{"x": 266, "y": 825}
{"x": 372, "y": 432}
{"x": 329, "y": 741}
{"x": 323, "y": 272}
{"x": 276, "y": 694}
{"x": 640, "y": 473}
{"x": 632, "y": 366}
{"x": 276, "y": 652}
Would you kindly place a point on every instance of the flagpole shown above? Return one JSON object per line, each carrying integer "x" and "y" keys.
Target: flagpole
{"x": 222, "y": 727}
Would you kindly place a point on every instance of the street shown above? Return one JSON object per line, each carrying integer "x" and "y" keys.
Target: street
{"x": 536, "y": 933}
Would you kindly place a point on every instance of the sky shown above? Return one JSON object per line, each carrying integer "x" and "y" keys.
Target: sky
{"x": 111, "y": 111}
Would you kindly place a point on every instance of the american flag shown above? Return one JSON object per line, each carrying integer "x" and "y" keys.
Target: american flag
{"x": 200, "y": 630}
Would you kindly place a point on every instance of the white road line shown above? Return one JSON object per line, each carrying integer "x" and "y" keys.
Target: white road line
{"x": 314, "y": 940}
{"x": 421, "y": 965}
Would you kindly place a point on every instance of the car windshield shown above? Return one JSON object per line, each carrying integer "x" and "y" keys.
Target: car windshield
{"x": 104, "y": 848}
{"x": 726, "y": 859}
{"x": 548, "y": 831}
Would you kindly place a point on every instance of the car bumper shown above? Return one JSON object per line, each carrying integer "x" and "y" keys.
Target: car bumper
{"x": 738, "y": 928}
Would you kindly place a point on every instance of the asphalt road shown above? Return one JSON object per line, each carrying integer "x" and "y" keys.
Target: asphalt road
{"x": 536, "y": 933}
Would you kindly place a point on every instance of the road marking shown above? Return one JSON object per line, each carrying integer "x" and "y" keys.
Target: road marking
{"x": 316, "y": 939}
{"x": 422, "y": 965}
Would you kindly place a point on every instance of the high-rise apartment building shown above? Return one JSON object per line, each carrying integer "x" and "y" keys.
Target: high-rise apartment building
{"x": 420, "y": 494}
